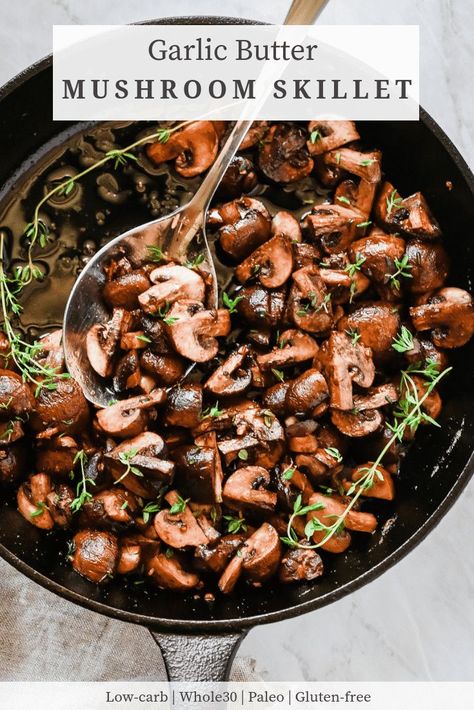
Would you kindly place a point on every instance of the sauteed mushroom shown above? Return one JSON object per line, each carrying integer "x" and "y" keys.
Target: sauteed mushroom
{"x": 194, "y": 148}
{"x": 449, "y": 314}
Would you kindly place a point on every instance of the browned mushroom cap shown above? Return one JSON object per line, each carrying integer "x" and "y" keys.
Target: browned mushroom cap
{"x": 255, "y": 428}
{"x": 309, "y": 302}
{"x": 112, "y": 506}
{"x": 140, "y": 465}
{"x": 377, "y": 323}
{"x": 271, "y": 263}
{"x": 365, "y": 165}
{"x": 13, "y": 461}
{"x": 246, "y": 490}
{"x": 286, "y": 225}
{"x": 57, "y": 455}
{"x": 424, "y": 352}
{"x": 261, "y": 307}
{"x": 382, "y": 487}
{"x": 283, "y": 156}
{"x": 168, "y": 572}
{"x": 245, "y": 225}
{"x": 198, "y": 473}
{"x": 129, "y": 417}
{"x": 300, "y": 565}
{"x": 274, "y": 398}
{"x": 179, "y": 529}
{"x": 344, "y": 362}
{"x": 184, "y": 407}
{"x": 123, "y": 291}
{"x": 431, "y": 405}
{"x": 255, "y": 134}
{"x": 11, "y": 431}
{"x": 410, "y": 215}
{"x": 59, "y": 502}
{"x": 327, "y": 135}
{"x": 449, "y": 314}
{"x": 193, "y": 329}
{"x": 379, "y": 252}
{"x": 166, "y": 369}
{"x": 127, "y": 373}
{"x": 261, "y": 554}
{"x": 239, "y": 178}
{"x": 172, "y": 283}
{"x": 428, "y": 264}
{"x": 334, "y": 227}
{"x": 305, "y": 255}
{"x": 214, "y": 559}
{"x": 52, "y": 353}
{"x": 357, "y": 424}
{"x": 32, "y": 504}
{"x": 15, "y": 395}
{"x": 293, "y": 347}
{"x": 318, "y": 464}
{"x": 62, "y": 410}
{"x": 230, "y": 378}
{"x": 130, "y": 556}
{"x": 195, "y": 148}
{"x": 306, "y": 393}
{"x": 102, "y": 342}
{"x": 95, "y": 555}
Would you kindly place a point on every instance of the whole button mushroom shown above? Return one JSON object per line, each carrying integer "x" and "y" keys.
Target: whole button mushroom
{"x": 96, "y": 554}
{"x": 380, "y": 253}
{"x": 449, "y": 314}
{"x": 261, "y": 307}
{"x": 376, "y": 323}
{"x": 61, "y": 410}
{"x": 428, "y": 264}
{"x": 15, "y": 396}
{"x": 184, "y": 406}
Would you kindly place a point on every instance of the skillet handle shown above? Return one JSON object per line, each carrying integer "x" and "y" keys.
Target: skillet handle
{"x": 197, "y": 657}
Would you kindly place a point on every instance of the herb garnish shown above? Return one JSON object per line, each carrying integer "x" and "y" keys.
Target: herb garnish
{"x": 82, "y": 494}
{"x": 231, "y": 303}
{"x": 403, "y": 342}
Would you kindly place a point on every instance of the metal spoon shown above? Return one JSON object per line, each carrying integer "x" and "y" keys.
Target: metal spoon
{"x": 174, "y": 234}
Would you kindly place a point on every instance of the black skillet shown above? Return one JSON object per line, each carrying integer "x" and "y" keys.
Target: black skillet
{"x": 198, "y": 641}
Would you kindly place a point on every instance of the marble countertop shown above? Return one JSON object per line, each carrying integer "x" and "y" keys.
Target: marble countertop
{"x": 413, "y": 623}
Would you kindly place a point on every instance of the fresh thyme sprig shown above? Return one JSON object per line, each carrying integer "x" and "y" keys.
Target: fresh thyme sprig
{"x": 403, "y": 269}
{"x": 408, "y": 414}
{"x": 126, "y": 457}
{"x": 394, "y": 202}
{"x": 235, "y": 525}
{"x": 82, "y": 494}
{"x": 403, "y": 342}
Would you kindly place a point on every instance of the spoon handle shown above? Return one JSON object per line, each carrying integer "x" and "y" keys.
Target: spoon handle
{"x": 304, "y": 12}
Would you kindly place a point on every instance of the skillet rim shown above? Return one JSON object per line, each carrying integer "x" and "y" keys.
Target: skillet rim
{"x": 214, "y": 626}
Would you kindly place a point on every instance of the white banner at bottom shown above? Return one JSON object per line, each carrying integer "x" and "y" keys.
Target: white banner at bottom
{"x": 237, "y": 696}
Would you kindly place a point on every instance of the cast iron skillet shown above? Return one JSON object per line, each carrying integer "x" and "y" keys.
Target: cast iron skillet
{"x": 198, "y": 641}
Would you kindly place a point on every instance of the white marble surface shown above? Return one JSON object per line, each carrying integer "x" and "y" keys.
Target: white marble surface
{"x": 416, "y": 622}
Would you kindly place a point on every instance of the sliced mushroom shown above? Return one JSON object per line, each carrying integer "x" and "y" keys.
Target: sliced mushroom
{"x": 254, "y": 135}
{"x": 109, "y": 507}
{"x": 129, "y": 417}
{"x": 365, "y": 165}
{"x": 274, "y": 398}
{"x": 357, "y": 424}
{"x": 168, "y": 572}
{"x": 360, "y": 196}
{"x": 344, "y": 362}
{"x": 300, "y": 565}
{"x": 13, "y": 462}
{"x": 283, "y": 156}
{"x": 382, "y": 487}
{"x": 102, "y": 342}
{"x": 184, "y": 406}
{"x": 193, "y": 329}
{"x": 376, "y": 397}
{"x": 59, "y": 501}
{"x": 198, "y": 473}
{"x": 172, "y": 283}
{"x": 306, "y": 393}
{"x": 286, "y": 225}
{"x": 130, "y": 556}
{"x": 244, "y": 224}
{"x": 127, "y": 374}
{"x": 327, "y": 135}
{"x": 214, "y": 559}
{"x": 123, "y": 291}
{"x": 246, "y": 490}
{"x": 334, "y": 507}
{"x": 334, "y": 227}
{"x": 140, "y": 465}
{"x": 32, "y": 501}
{"x": 410, "y": 215}
{"x": 16, "y": 398}
{"x": 261, "y": 554}
{"x": 230, "y": 378}
{"x": 194, "y": 148}
{"x": 95, "y": 555}
{"x": 309, "y": 302}
{"x": 449, "y": 314}
{"x": 428, "y": 264}
{"x": 293, "y": 347}
{"x": 271, "y": 263}
{"x": 179, "y": 529}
